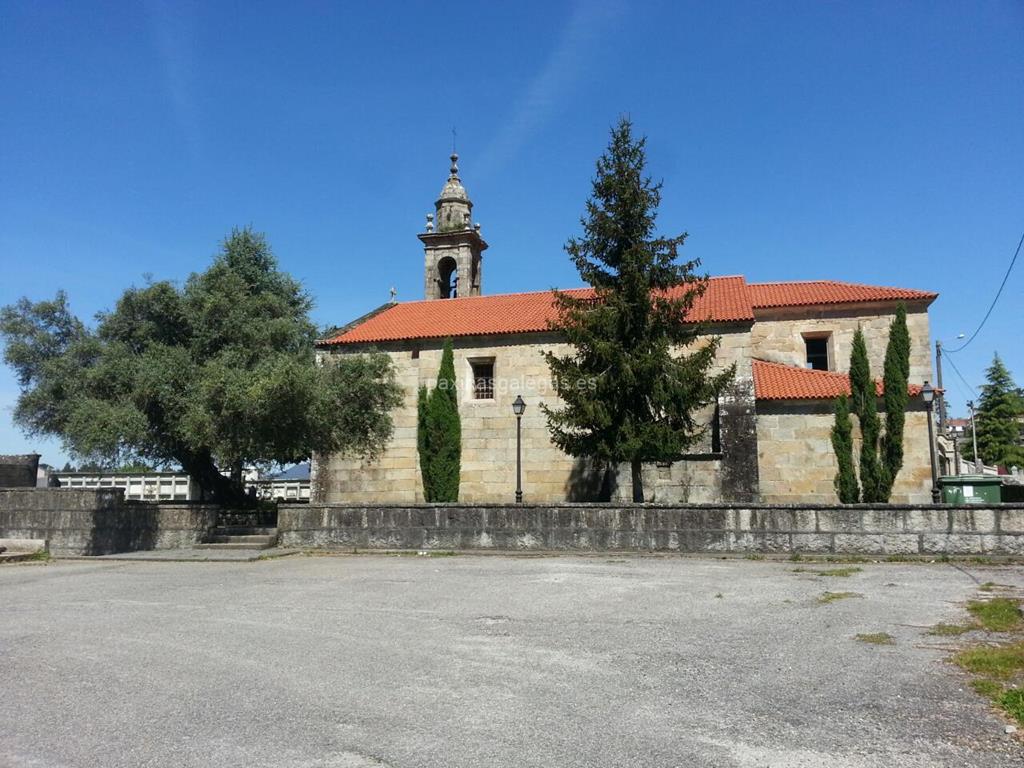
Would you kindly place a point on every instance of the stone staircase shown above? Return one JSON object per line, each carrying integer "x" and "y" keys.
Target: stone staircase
{"x": 240, "y": 537}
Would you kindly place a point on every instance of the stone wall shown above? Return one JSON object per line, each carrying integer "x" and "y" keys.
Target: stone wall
{"x": 489, "y": 433}
{"x": 19, "y": 471}
{"x": 100, "y": 522}
{"x": 797, "y": 464}
{"x": 856, "y": 529}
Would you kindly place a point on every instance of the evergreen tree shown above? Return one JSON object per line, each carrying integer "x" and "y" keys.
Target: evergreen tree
{"x": 842, "y": 443}
{"x": 440, "y": 434}
{"x": 422, "y": 398}
{"x": 996, "y": 420}
{"x": 864, "y": 396}
{"x": 896, "y": 397}
{"x": 628, "y": 393}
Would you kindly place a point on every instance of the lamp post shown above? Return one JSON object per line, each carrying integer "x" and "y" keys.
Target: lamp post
{"x": 518, "y": 407}
{"x": 928, "y": 395}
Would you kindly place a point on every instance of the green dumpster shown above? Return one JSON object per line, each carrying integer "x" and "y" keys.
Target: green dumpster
{"x": 971, "y": 489}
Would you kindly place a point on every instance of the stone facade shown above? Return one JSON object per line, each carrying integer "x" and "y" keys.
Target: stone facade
{"x": 796, "y": 463}
{"x": 776, "y": 453}
{"x": 778, "y": 335}
{"x": 489, "y": 432}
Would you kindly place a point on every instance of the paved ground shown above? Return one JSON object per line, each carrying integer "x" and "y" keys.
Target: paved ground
{"x": 485, "y": 661}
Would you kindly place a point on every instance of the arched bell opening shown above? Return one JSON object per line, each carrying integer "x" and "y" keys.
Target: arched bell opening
{"x": 448, "y": 278}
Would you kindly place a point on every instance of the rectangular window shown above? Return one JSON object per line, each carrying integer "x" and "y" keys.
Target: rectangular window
{"x": 817, "y": 352}
{"x": 483, "y": 379}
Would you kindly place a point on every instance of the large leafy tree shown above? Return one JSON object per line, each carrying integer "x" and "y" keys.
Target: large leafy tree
{"x": 439, "y": 435}
{"x": 997, "y": 419}
{"x": 629, "y": 390}
{"x": 210, "y": 376}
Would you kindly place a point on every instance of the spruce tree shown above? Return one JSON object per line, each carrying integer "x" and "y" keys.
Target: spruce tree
{"x": 996, "y": 420}
{"x": 864, "y": 396}
{"x": 440, "y": 434}
{"x": 842, "y": 443}
{"x": 896, "y": 397}
{"x": 629, "y": 393}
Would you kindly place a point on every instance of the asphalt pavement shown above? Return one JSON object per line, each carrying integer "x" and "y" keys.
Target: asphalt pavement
{"x": 487, "y": 661}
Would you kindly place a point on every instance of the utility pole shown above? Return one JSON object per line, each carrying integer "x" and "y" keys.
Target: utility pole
{"x": 974, "y": 438}
{"x": 941, "y": 392}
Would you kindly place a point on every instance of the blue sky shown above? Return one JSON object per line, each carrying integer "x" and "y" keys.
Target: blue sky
{"x": 870, "y": 142}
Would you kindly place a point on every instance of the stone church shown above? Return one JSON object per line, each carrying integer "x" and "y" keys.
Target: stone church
{"x": 767, "y": 439}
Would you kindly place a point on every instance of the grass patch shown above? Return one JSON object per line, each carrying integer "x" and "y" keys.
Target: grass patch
{"x": 1013, "y": 703}
{"x": 831, "y": 597}
{"x": 951, "y": 630}
{"x": 877, "y": 638}
{"x": 841, "y": 572}
{"x": 990, "y": 689}
{"x": 40, "y": 556}
{"x": 753, "y": 556}
{"x": 1001, "y": 614}
{"x": 1001, "y": 662}
{"x": 719, "y": 596}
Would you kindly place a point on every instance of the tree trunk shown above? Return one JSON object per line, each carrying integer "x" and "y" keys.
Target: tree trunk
{"x": 638, "y": 481}
{"x": 216, "y": 487}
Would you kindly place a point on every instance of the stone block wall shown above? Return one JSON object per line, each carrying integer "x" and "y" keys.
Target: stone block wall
{"x": 797, "y": 465}
{"x": 489, "y": 433}
{"x": 778, "y": 336}
{"x": 100, "y": 522}
{"x": 851, "y": 530}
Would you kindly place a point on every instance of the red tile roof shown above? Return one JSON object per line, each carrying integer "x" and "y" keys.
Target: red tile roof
{"x": 725, "y": 300}
{"x": 775, "y": 381}
{"x": 817, "y": 292}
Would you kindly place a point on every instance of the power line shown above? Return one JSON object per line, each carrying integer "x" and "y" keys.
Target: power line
{"x": 993, "y": 304}
{"x": 957, "y": 371}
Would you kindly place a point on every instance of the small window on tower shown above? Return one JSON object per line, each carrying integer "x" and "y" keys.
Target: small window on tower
{"x": 483, "y": 379}
{"x": 817, "y": 351}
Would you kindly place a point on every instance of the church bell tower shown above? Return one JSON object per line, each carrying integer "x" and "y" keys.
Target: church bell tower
{"x": 452, "y": 244}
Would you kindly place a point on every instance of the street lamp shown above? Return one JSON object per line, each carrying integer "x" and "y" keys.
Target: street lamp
{"x": 927, "y": 395}
{"x": 518, "y": 408}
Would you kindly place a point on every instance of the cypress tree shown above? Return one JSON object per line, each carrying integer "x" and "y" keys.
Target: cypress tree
{"x": 439, "y": 437}
{"x": 864, "y": 396}
{"x": 999, "y": 408}
{"x": 422, "y": 398}
{"x": 842, "y": 443}
{"x": 628, "y": 394}
{"x": 896, "y": 397}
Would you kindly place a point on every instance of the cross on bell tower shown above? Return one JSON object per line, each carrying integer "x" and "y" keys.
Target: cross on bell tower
{"x": 452, "y": 250}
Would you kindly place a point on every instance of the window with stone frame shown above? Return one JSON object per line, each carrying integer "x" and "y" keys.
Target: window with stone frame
{"x": 483, "y": 378}
{"x": 818, "y": 351}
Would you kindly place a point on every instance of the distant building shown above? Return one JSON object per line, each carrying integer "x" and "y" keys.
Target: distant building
{"x": 141, "y": 486}
{"x": 290, "y": 485}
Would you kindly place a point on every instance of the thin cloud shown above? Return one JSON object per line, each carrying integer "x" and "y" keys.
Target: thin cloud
{"x": 174, "y": 38}
{"x": 548, "y": 90}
